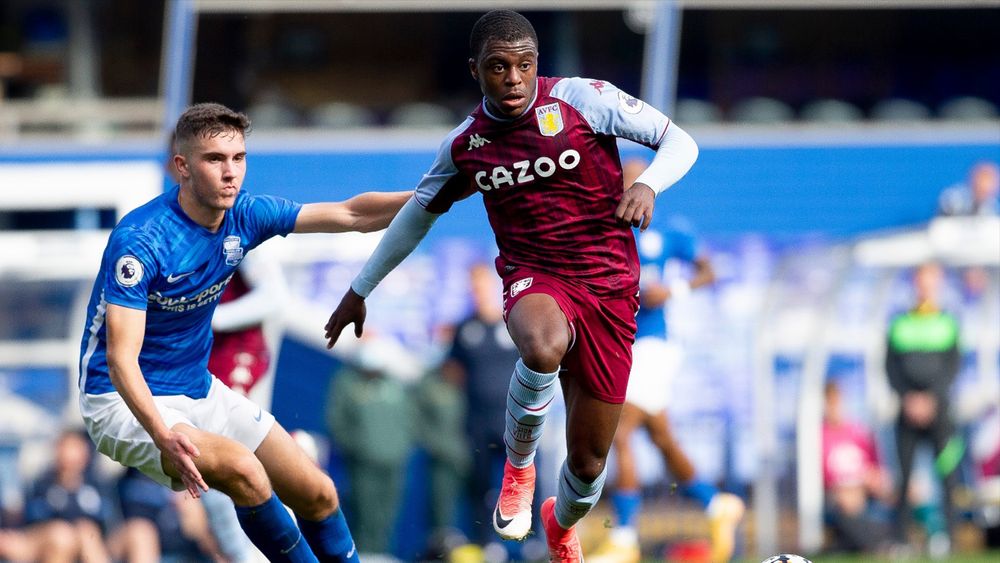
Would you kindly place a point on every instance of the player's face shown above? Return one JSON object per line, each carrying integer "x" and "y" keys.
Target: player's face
{"x": 214, "y": 168}
{"x": 506, "y": 72}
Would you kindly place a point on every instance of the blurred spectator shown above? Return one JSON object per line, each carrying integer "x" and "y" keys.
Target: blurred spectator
{"x": 922, "y": 361}
{"x": 986, "y": 455}
{"x": 370, "y": 416}
{"x": 441, "y": 412}
{"x": 853, "y": 478}
{"x": 66, "y": 512}
{"x": 977, "y": 197}
{"x": 159, "y": 524}
{"x": 480, "y": 361}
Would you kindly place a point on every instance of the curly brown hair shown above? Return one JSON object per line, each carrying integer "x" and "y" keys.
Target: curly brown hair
{"x": 208, "y": 120}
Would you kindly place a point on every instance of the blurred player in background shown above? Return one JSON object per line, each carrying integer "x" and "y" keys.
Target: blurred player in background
{"x": 479, "y": 362}
{"x": 656, "y": 360}
{"x": 543, "y": 152}
{"x": 922, "y": 360}
{"x": 148, "y": 399}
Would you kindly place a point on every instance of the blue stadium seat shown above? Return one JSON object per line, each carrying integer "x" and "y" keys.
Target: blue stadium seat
{"x": 831, "y": 111}
{"x": 690, "y": 110}
{"x": 342, "y": 115}
{"x": 899, "y": 109}
{"x": 761, "y": 110}
{"x": 967, "y": 108}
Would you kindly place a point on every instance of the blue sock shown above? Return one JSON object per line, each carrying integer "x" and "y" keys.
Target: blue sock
{"x": 627, "y": 505}
{"x": 699, "y": 490}
{"x": 272, "y": 530}
{"x": 330, "y": 538}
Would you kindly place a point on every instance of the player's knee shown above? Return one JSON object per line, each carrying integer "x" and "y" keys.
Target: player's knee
{"x": 321, "y": 502}
{"x": 539, "y": 353}
{"x": 247, "y": 482}
{"x": 586, "y": 467}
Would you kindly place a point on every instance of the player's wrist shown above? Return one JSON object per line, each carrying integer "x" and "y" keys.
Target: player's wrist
{"x": 361, "y": 288}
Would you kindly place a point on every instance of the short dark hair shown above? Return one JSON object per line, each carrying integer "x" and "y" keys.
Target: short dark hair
{"x": 209, "y": 120}
{"x": 500, "y": 25}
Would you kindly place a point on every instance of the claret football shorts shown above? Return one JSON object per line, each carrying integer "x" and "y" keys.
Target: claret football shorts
{"x": 603, "y": 329}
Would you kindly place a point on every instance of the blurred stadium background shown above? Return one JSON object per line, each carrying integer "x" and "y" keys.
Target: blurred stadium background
{"x": 828, "y": 132}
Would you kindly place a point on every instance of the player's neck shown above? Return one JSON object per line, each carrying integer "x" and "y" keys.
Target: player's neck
{"x": 207, "y": 217}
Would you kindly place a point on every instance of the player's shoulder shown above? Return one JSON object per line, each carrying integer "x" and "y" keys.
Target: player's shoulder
{"x": 145, "y": 222}
{"x": 470, "y": 127}
{"x": 578, "y": 90}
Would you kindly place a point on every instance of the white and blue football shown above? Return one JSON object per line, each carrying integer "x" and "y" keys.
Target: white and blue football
{"x": 786, "y": 558}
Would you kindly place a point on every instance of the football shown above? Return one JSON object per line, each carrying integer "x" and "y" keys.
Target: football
{"x": 786, "y": 558}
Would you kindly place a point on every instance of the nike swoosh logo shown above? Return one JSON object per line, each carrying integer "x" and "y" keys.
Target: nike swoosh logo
{"x": 259, "y": 412}
{"x": 173, "y": 279}
{"x": 501, "y": 522}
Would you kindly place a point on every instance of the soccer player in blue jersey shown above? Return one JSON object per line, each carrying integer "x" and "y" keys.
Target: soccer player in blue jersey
{"x": 147, "y": 397}
{"x": 656, "y": 360}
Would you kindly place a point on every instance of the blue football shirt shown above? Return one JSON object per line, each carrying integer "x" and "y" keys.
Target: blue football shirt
{"x": 159, "y": 260}
{"x": 656, "y": 248}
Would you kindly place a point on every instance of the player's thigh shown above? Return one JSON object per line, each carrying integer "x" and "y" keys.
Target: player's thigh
{"x": 658, "y": 427}
{"x": 298, "y": 481}
{"x": 539, "y": 327}
{"x": 221, "y": 460}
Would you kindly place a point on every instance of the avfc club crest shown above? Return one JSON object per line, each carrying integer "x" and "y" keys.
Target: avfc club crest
{"x": 232, "y": 249}
{"x": 550, "y": 121}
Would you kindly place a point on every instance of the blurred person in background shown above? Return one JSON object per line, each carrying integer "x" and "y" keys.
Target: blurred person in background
{"x": 441, "y": 411}
{"x": 147, "y": 397}
{"x": 66, "y": 510}
{"x": 656, "y": 361}
{"x": 977, "y": 197}
{"x": 370, "y": 415}
{"x": 543, "y": 153}
{"x": 922, "y": 361}
{"x": 479, "y": 361}
{"x": 853, "y": 479}
{"x": 159, "y": 524}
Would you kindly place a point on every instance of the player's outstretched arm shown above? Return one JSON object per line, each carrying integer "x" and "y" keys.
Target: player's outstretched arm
{"x": 367, "y": 212}
{"x": 126, "y": 330}
{"x": 403, "y": 235}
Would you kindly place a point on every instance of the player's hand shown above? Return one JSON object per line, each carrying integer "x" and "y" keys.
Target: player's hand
{"x": 352, "y": 309}
{"x": 180, "y": 451}
{"x": 636, "y": 207}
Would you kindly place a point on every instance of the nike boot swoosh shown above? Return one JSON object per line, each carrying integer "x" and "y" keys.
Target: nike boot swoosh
{"x": 501, "y": 522}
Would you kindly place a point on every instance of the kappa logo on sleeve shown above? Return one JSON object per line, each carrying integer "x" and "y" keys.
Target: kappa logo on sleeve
{"x": 128, "y": 271}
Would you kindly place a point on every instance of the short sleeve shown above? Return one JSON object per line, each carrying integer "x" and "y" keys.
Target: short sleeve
{"x": 443, "y": 184}
{"x": 610, "y": 111}
{"x": 268, "y": 216}
{"x": 683, "y": 246}
{"x": 129, "y": 266}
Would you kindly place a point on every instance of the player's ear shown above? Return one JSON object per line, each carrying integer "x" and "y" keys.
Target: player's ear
{"x": 180, "y": 165}
{"x": 473, "y": 69}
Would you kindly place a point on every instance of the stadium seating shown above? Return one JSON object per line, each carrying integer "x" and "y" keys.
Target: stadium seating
{"x": 899, "y": 109}
{"x": 761, "y": 110}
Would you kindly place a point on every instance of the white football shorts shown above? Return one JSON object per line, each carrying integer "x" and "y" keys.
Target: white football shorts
{"x": 655, "y": 364}
{"x": 118, "y": 434}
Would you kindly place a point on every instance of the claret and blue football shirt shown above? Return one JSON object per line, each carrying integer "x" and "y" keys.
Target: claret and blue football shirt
{"x": 159, "y": 260}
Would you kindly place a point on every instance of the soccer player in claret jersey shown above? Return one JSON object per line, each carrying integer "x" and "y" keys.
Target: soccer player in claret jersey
{"x": 147, "y": 397}
{"x": 543, "y": 154}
